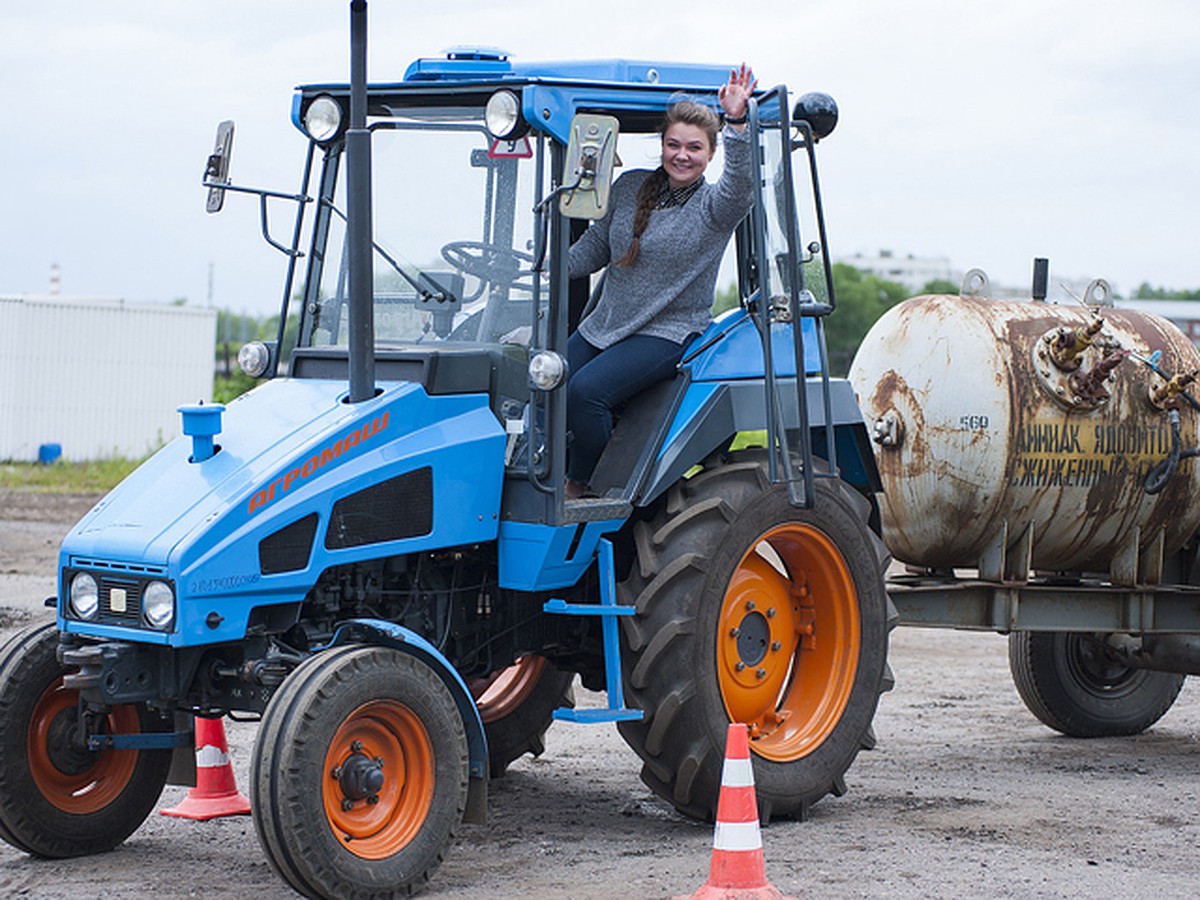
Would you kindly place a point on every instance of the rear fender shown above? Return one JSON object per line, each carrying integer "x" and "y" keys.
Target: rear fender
{"x": 713, "y": 412}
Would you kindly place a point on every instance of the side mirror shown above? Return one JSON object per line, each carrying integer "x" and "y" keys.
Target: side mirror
{"x": 216, "y": 170}
{"x": 591, "y": 153}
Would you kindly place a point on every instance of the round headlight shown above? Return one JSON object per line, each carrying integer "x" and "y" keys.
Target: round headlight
{"x": 158, "y": 604}
{"x": 323, "y": 118}
{"x": 503, "y": 115}
{"x": 547, "y": 370}
{"x": 85, "y": 596}
{"x": 254, "y": 358}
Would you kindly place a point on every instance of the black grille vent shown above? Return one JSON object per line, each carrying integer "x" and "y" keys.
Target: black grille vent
{"x": 288, "y": 549}
{"x": 401, "y": 507}
{"x": 120, "y": 600}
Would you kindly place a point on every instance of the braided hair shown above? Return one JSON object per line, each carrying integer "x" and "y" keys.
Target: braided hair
{"x": 689, "y": 112}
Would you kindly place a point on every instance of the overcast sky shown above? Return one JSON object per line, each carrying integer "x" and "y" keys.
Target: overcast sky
{"x": 987, "y": 132}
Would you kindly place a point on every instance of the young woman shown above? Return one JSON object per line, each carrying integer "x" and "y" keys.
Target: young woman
{"x": 662, "y": 240}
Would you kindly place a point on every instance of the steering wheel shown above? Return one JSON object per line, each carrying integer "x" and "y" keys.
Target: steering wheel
{"x": 490, "y": 262}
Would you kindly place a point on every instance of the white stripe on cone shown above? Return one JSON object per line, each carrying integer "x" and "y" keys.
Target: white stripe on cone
{"x": 210, "y": 757}
{"x": 737, "y": 773}
{"x": 737, "y": 836}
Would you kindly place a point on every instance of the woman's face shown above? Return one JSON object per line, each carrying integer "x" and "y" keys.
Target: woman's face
{"x": 686, "y": 153}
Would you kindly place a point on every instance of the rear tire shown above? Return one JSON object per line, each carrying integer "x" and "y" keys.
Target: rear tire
{"x": 751, "y": 610}
{"x": 360, "y": 774}
{"x": 58, "y": 799}
{"x": 517, "y": 707}
{"x": 1072, "y": 685}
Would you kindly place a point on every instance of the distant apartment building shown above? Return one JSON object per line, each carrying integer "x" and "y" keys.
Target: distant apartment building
{"x": 914, "y": 272}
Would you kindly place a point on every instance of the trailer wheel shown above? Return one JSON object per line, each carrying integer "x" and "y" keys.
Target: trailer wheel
{"x": 750, "y": 610}
{"x": 360, "y": 774}
{"x": 1072, "y": 685}
{"x": 517, "y": 707}
{"x": 58, "y": 799}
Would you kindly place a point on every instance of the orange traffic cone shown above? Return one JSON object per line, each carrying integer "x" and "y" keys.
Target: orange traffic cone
{"x": 737, "y": 871}
{"x": 215, "y": 793}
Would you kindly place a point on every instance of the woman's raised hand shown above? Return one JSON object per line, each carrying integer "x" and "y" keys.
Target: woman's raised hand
{"x": 734, "y": 93}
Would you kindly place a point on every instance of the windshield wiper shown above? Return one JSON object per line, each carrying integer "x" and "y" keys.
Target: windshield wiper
{"x": 439, "y": 295}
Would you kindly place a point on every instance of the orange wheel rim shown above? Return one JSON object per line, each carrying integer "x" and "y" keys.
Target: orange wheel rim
{"x": 788, "y": 641}
{"x": 73, "y": 779}
{"x": 381, "y": 745}
{"x": 503, "y": 692}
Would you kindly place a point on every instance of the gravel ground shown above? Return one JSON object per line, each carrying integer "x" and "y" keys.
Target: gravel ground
{"x": 965, "y": 795}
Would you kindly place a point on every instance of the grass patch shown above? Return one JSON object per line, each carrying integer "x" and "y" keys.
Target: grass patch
{"x": 94, "y": 476}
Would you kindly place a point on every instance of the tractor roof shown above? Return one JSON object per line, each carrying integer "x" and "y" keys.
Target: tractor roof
{"x": 551, "y": 92}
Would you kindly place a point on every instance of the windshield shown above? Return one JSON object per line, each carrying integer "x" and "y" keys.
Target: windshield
{"x": 454, "y": 234}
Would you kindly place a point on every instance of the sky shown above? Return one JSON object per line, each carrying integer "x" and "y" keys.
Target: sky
{"x": 986, "y": 132}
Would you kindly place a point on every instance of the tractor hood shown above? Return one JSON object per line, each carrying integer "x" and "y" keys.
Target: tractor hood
{"x": 301, "y": 480}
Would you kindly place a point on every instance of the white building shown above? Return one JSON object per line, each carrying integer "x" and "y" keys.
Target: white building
{"x": 914, "y": 272}
{"x": 98, "y": 377}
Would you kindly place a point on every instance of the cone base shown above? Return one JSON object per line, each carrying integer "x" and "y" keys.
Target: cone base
{"x": 712, "y": 892}
{"x": 202, "y": 809}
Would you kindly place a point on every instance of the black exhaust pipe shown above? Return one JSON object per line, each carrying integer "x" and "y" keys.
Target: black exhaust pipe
{"x": 358, "y": 216}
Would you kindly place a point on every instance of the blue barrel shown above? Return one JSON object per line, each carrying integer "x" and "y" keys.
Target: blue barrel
{"x": 49, "y": 453}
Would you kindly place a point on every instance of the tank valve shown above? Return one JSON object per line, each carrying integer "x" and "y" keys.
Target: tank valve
{"x": 888, "y": 430}
{"x": 1067, "y": 344}
{"x": 1168, "y": 394}
{"x": 1089, "y": 386}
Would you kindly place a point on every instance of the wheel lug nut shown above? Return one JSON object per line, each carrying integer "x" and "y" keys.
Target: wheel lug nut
{"x": 373, "y": 799}
{"x": 771, "y": 613}
{"x": 760, "y": 673}
{"x": 734, "y": 632}
{"x": 356, "y": 746}
{"x": 740, "y": 666}
{"x": 749, "y": 604}
{"x": 336, "y": 774}
{"x": 347, "y": 805}
{"x": 776, "y": 646}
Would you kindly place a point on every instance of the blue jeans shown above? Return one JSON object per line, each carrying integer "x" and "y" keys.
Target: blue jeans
{"x": 601, "y": 380}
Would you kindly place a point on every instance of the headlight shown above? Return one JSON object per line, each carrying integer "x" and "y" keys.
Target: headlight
{"x": 254, "y": 358}
{"x": 158, "y": 604}
{"x": 85, "y": 596}
{"x": 503, "y": 116}
{"x": 547, "y": 370}
{"x": 323, "y": 118}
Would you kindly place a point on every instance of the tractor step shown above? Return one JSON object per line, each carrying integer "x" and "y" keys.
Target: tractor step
{"x": 608, "y": 610}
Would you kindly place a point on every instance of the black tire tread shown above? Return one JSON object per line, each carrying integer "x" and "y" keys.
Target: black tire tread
{"x": 295, "y": 839}
{"x": 675, "y": 552}
{"x": 1035, "y": 660}
{"x": 28, "y": 665}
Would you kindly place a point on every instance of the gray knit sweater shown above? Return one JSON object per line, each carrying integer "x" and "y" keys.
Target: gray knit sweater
{"x": 668, "y": 292}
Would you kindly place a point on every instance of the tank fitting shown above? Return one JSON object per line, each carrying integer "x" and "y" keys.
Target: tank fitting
{"x": 1089, "y": 386}
{"x": 1168, "y": 394}
{"x": 1068, "y": 344}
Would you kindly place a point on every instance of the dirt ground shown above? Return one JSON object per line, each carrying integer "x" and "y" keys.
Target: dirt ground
{"x": 965, "y": 795}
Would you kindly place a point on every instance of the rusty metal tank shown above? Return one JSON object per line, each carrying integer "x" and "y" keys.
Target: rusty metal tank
{"x": 1017, "y": 435}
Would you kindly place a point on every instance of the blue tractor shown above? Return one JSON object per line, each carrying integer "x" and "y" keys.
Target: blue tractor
{"x": 372, "y": 551}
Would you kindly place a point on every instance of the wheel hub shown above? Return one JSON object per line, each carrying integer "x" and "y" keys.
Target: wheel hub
{"x": 787, "y": 640}
{"x": 753, "y": 638}
{"x": 64, "y": 748}
{"x": 360, "y": 777}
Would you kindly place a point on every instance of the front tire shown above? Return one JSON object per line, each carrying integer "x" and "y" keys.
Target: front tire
{"x": 751, "y": 610}
{"x": 58, "y": 799}
{"x": 1072, "y": 685}
{"x": 360, "y": 774}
